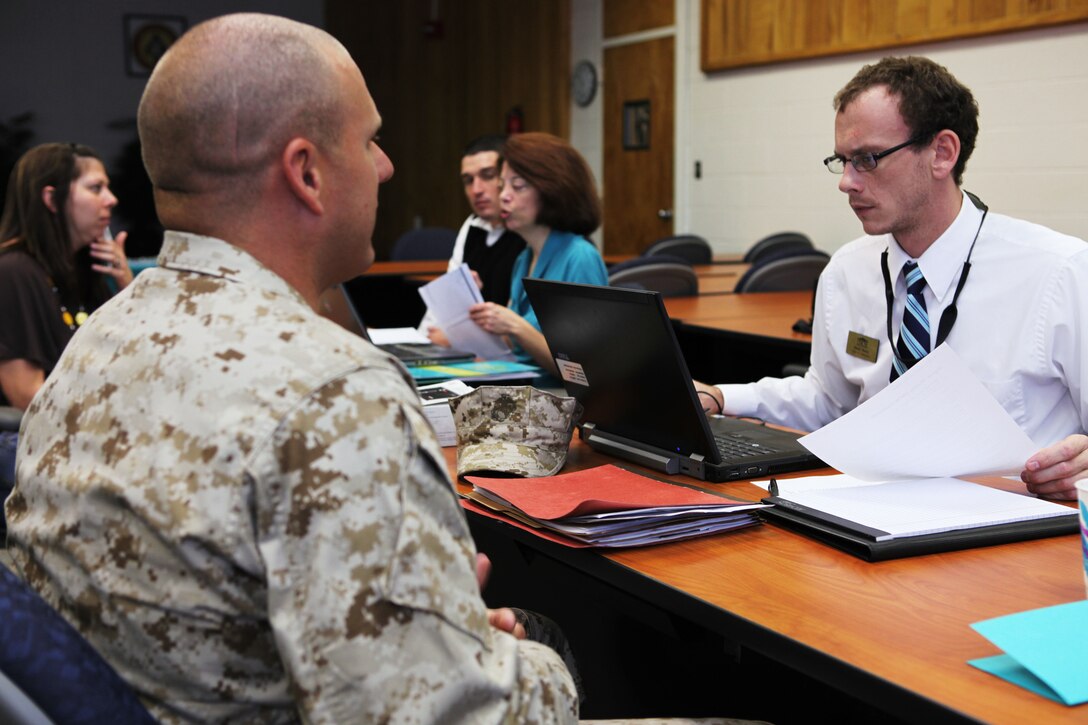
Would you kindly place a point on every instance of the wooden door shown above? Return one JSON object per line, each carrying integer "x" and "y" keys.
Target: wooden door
{"x": 638, "y": 144}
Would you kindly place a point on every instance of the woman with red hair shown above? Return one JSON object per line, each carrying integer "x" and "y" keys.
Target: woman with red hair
{"x": 549, "y": 198}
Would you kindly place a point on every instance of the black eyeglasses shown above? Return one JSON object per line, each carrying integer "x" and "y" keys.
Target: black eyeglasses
{"x": 836, "y": 163}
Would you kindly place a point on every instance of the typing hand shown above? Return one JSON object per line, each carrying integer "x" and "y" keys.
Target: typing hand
{"x": 710, "y": 397}
{"x": 502, "y": 619}
{"x": 1054, "y": 470}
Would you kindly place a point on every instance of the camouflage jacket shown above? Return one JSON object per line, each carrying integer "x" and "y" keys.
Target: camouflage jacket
{"x": 244, "y": 509}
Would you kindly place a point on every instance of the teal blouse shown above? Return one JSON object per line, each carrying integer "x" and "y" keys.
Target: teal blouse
{"x": 565, "y": 257}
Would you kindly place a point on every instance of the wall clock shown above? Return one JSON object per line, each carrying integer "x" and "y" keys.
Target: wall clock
{"x": 584, "y": 83}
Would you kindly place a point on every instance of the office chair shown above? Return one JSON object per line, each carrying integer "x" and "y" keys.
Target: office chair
{"x": 10, "y": 418}
{"x": 424, "y": 243}
{"x": 51, "y": 674}
{"x": 777, "y": 244}
{"x": 805, "y": 326}
{"x": 784, "y": 272}
{"x": 691, "y": 247}
{"x": 669, "y": 275}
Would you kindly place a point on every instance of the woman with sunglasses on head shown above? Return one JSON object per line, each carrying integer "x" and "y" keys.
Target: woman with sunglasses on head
{"x": 548, "y": 197}
{"x": 55, "y": 258}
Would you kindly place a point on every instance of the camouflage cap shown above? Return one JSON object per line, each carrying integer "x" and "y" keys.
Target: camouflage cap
{"x": 512, "y": 429}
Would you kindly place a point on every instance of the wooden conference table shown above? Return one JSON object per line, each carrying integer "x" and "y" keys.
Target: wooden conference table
{"x": 718, "y": 278}
{"x": 434, "y": 267}
{"x": 741, "y": 337}
{"x": 758, "y": 314}
{"x": 894, "y": 634}
{"x": 389, "y": 289}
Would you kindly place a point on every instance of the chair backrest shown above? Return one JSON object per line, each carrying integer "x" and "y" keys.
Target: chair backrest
{"x": 18, "y": 709}
{"x": 797, "y": 271}
{"x": 775, "y": 244}
{"x": 691, "y": 247}
{"x": 46, "y": 660}
{"x": 671, "y": 276}
{"x": 10, "y": 418}
{"x": 424, "y": 243}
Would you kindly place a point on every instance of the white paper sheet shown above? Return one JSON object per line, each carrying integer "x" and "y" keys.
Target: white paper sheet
{"x": 448, "y": 299}
{"x": 937, "y": 421}
{"x": 396, "y": 335}
{"x": 804, "y": 484}
{"x": 436, "y": 406}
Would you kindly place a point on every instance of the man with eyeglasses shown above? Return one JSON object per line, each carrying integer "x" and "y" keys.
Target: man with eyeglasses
{"x": 904, "y": 130}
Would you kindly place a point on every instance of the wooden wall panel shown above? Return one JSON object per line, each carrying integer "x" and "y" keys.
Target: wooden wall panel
{"x": 739, "y": 33}
{"x": 623, "y": 17}
{"x": 437, "y": 91}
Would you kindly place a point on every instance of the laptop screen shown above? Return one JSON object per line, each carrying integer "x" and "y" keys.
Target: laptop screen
{"x": 618, "y": 355}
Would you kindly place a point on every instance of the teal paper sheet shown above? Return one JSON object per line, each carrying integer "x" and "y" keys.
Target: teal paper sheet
{"x": 1046, "y": 651}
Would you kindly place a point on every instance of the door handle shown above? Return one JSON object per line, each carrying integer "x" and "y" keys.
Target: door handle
{"x": 664, "y": 214}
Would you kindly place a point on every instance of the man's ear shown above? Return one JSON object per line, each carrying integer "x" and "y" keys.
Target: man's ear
{"x": 299, "y": 165}
{"x": 49, "y": 198}
{"x": 946, "y": 148}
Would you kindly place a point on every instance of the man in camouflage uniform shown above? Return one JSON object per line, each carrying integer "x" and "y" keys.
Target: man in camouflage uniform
{"x": 239, "y": 503}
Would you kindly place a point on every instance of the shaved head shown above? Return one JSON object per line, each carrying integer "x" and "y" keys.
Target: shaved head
{"x": 260, "y": 131}
{"x": 224, "y": 100}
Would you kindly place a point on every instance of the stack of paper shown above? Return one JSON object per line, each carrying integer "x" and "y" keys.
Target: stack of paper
{"x": 607, "y": 506}
{"x": 436, "y": 406}
{"x": 900, "y": 492}
{"x": 886, "y": 510}
{"x": 396, "y": 336}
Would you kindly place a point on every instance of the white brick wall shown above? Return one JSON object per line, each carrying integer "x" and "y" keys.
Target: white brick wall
{"x": 761, "y": 133}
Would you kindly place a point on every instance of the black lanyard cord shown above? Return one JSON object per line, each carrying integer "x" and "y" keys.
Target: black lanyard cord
{"x": 948, "y": 317}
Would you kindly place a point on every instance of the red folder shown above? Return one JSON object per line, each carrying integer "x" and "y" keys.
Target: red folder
{"x": 594, "y": 490}
{"x": 543, "y": 506}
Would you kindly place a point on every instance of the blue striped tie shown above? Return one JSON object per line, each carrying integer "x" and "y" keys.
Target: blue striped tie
{"x": 913, "y": 342}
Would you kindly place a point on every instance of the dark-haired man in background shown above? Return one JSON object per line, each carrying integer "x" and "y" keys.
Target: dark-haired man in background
{"x": 483, "y": 243}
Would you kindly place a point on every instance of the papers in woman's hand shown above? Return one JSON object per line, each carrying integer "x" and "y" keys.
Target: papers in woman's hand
{"x": 448, "y": 299}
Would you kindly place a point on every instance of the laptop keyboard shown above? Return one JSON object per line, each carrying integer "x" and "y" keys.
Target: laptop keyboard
{"x": 733, "y": 447}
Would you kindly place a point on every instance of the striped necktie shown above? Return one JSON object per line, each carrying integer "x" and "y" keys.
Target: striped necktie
{"x": 913, "y": 344}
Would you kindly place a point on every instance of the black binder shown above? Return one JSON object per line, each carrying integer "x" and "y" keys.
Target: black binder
{"x": 860, "y": 541}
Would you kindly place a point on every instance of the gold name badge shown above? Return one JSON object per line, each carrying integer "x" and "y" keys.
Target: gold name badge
{"x": 861, "y": 346}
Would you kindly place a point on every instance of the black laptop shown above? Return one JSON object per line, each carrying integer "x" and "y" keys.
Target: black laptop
{"x": 409, "y": 353}
{"x": 618, "y": 356}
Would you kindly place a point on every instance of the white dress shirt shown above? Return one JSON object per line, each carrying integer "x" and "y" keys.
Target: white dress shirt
{"x": 1022, "y": 326}
{"x": 458, "y": 255}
